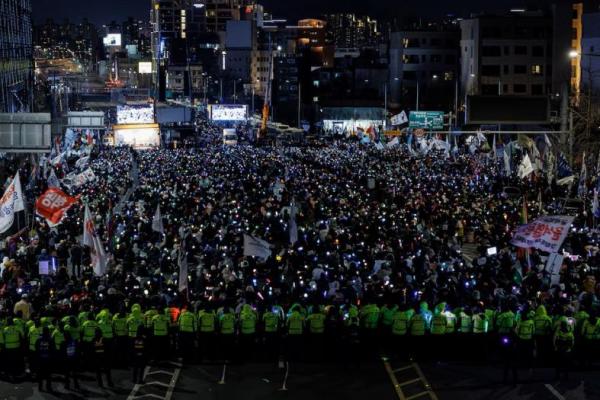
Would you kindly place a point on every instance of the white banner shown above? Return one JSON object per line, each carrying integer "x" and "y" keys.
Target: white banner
{"x": 10, "y": 203}
{"x": 256, "y": 247}
{"x": 546, "y": 233}
{"x": 80, "y": 179}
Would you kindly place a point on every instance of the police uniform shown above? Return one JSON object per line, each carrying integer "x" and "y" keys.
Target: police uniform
{"x": 188, "y": 326}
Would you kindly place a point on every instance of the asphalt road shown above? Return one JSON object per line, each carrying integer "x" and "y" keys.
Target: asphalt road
{"x": 323, "y": 381}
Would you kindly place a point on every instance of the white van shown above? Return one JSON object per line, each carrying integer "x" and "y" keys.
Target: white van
{"x": 230, "y": 137}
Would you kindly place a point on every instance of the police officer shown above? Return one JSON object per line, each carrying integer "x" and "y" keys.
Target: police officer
{"x": 271, "y": 323}
{"x": 70, "y": 357}
{"x": 188, "y": 327}
{"x": 295, "y": 329}
{"x": 13, "y": 340}
{"x": 542, "y": 333}
{"x": 45, "y": 350}
{"x": 160, "y": 330}
{"x": 247, "y": 321}
{"x": 227, "y": 327}
{"x": 480, "y": 331}
{"x": 99, "y": 359}
{"x": 134, "y": 320}
{"x": 400, "y": 324}
{"x": 525, "y": 344}
{"x": 417, "y": 328}
{"x": 119, "y": 323}
{"x": 316, "y": 328}
{"x": 438, "y": 332}
{"x": 33, "y": 334}
{"x": 563, "y": 341}
{"x": 207, "y": 321}
{"x": 590, "y": 335}
{"x": 88, "y": 333}
{"x": 138, "y": 356}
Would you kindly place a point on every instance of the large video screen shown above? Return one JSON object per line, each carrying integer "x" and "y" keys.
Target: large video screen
{"x": 138, "y": 138}
{"x": 129, "y": 114}
{"x": 112, "y": 40}
{"x": 228, "y": 112}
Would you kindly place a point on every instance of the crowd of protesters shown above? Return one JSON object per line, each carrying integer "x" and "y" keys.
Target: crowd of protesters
{"x": 364, "y": 243}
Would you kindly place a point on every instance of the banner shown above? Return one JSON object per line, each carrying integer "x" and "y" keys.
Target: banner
{"x": 80, "y": 179}
{"x": 10, "y": 203}
{"x": 92, "y": 240}
{"x": 53, "y": 204}
{"x": 546, "y": 233}
{"x": 554, "y": 263}
{"x": 256, "y": 247}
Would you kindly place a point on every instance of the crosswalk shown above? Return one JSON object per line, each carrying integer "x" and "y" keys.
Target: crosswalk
{"x": 159, "y": 382}
{"x": 409, "y": 381}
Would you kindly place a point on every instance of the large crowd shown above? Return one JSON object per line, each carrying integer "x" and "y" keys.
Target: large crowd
{"x": 366, "y": 257}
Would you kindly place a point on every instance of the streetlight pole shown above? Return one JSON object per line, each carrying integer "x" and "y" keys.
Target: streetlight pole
{"x": 418, "y": 93}
{"x": 299, "y": 105}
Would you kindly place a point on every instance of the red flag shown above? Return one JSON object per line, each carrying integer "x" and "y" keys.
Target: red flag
{"x": 53, "y": 204}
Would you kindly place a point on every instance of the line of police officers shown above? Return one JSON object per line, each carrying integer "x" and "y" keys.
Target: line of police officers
{"x": 101, "y": 340}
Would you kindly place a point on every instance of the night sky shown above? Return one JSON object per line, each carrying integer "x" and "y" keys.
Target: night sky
{"x": 103, "y": 11}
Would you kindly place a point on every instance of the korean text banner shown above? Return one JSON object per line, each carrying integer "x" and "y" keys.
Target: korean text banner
{"x": 546, "y": 233}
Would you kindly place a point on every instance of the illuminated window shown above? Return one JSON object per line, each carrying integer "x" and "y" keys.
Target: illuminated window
{"x": 536, "y": 69}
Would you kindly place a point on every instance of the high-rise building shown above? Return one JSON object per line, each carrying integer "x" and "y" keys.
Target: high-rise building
{"x": 350, "y": 31}
{"x": 218, "y": 12}
{"x": 16, "y": 54}
{"x": 508, "y": 54}
{"x": 424, "y": 64}
{"x": 177, "y": 28}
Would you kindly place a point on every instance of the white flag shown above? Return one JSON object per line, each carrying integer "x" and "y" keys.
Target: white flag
{"x": 393, "y": 143}
{"x": 10, "y": 203}
{"x": 91, "y": 239}
{"x": 293, "y": 226}
{"x": 506, "y": 162}
{"x": 526, "y": 168}
{"x": 157, "y": 222}
{"x": 256, "y": 247}
{"x": 82, "y": 162}
{"x": 53, "y": 181}
{"x": 183, "y": 266}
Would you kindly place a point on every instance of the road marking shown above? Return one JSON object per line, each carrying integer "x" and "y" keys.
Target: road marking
{"x": 554, "y": 392}
{"x": 420, "y": 378}
{"x": 167, "y": 387}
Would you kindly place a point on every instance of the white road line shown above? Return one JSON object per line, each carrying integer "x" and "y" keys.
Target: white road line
{"x": 554, "y": 392}
{"x": 172, "y": 384}
{"x": 170, "y": 387}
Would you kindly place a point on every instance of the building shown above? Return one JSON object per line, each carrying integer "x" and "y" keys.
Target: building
{"x": 351, "y": 31}
{"x": 423, "y": 65}
{"x": 312, "y": 43}
{"x": 590, "y": 52}
{"x": 507, "y": 54}
{"x": 177, "y": 41}
{"x": 218, "y": 12}
{"x": 16, "y": 52}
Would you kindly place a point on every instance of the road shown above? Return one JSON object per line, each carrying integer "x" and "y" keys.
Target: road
{"x": 324, "y": 382}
